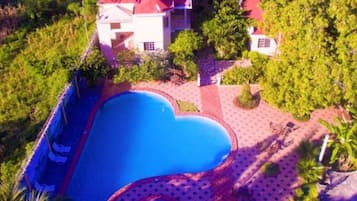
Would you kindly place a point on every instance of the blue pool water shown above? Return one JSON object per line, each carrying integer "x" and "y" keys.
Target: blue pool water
{"x": 135, "y": 135}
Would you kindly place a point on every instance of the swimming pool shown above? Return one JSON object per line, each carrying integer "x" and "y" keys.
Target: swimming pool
{"x": 136, "y": 135}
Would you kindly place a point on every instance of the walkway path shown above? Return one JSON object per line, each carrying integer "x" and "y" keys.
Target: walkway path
{"x": 207, "y": 67}
{"x": 210, "y": 100}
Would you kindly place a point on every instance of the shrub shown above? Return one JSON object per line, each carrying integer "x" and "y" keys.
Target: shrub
{"x": 186, "y": 106}
{"x": 307, "y": 192}
{"x": 310, "y": 171}
{"x": 153, "y": 66}
{"x": 246, "y": 99}
{"x": 94, "y": 67}
{"x": 307, "y": 150}
{"x": 240, "y": 75}
{"x": 251, "y": 74}
{"x": 271, "y": 169}
{"x": 304, "y": 117}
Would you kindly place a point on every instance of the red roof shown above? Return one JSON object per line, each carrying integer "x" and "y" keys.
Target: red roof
{"x": 253, "y": 12}
{"x": 149, "y": 6}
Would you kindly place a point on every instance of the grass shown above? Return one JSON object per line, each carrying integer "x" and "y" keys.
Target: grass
{"x": 186, "y": 106}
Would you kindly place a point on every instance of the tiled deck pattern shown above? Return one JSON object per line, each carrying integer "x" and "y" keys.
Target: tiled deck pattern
{"x": 251, "y": 127}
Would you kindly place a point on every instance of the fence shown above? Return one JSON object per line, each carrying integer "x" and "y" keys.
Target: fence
{"x": 33, "y": 166}
{"x": 54, "y": 126}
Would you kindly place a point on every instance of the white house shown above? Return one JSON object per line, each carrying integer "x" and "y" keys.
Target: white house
{"x": 140, "y": 24}
{"x": 258, "y": 41}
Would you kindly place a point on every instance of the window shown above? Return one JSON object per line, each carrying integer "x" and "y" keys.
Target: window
{"x": 149, "y": 46}
{"x": 263, "y": 42}
{"x": 115, "y": 26}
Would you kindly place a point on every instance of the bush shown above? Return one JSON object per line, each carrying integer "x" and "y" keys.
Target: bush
{"x": 304, "y": 117}
{"x": 307, "y": 150}
{"x": 186, "y": 106}
{"x": 271, "y": 169}
{"x": 310, "y": 171}
{"x": 307, "y": 192}
{"x": 240, "y": 75}
{"x": 246, "y": 99}
{"x": 251, "y": 74}
{"x": 94, "y": 67}
{"x": 152, "y": 66}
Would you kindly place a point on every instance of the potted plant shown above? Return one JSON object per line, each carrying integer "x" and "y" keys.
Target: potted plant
{"x": 343, "y": 143}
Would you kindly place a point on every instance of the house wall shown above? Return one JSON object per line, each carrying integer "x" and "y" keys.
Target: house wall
{"x": 104, "y": 35}
{"x": 263, "y": 50}
{"x": 167, "y": 31}
{"x": 148, "y": 28}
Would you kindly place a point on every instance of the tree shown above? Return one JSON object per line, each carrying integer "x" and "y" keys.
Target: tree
{"x": 183, "y": 48}
{"x": 75, "y": 8}
{"x": 316, "y": 66}
{"x": 227, "y": 30}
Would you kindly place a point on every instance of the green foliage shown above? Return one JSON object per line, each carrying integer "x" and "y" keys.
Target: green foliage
{"x": 246, "y": 99}
{"x": 227, "y": 30}
{"x": 183, "y": 49}
{"x": 241, "y": 75}
{"x": 75, "y": 8}
{"x": 94, "y": 67}
{"x": 307, "y": 192}
{"x": 302, "y": 118}
{"x": 10, "y": 192}
{"x": 271, "y": 169}
{"x": 37, "y": 196}
{"x": 251, "y": 74}
{"x": 153, "y": 66}
{"x": 343, "y": 144}
{"x": 307, "y": 150}
{"x": 132, "y": 74}
{"x": 309, "y": 170}
{"x": 35, "y": 68}
{"x": 186, "y": 106}
{"x": 317, "y": 64}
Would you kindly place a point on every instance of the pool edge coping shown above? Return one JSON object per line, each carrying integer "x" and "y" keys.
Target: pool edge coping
{"x": 105, "y": 97}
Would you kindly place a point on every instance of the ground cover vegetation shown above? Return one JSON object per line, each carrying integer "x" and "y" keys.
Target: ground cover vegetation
{"x": 317, "y": 62}
{"x": 186, "y": 106}
{"x": 37, "y": 60}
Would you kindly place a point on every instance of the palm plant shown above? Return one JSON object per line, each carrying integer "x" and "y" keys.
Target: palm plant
{"x": 310, "y": 171}
{"x": 307, "y": 150}
{"x": 343, "y": 144}
{"x": 37, "y": 196}
{"x": 10, "y": 192}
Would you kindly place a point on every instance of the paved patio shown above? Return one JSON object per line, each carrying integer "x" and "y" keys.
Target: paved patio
{"x": 252, "y": 128}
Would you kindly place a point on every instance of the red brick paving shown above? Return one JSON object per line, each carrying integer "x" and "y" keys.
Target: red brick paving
{"x": 210, "y": 100}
